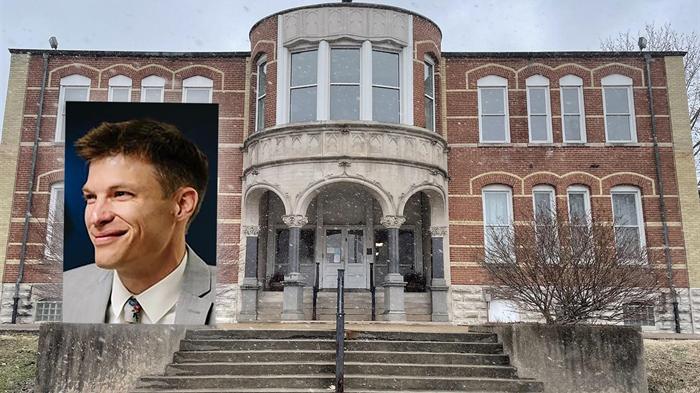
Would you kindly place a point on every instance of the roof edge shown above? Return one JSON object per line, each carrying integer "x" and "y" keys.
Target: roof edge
{"x": 563, "y": 54}
{"x": 106, "y": 53}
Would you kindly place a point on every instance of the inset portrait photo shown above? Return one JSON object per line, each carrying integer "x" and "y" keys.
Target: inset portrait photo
{"x": 140, "y": 213}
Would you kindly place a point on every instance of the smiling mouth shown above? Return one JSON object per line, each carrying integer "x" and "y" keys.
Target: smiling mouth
{"x": 107, "y": 237}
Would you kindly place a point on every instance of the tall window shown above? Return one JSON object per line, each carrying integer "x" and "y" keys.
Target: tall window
{"x": 345, "y": 84}
{"x": 385, "y": 87}
{"x": 152, "y": 89}
{"x": 543, "y": 201}
{"x": 573, "y": 117}
{"x": 53, "y": 249}
{"x": 627, "y": 217}
{"x": 73, "y": 88}
{"x": 119, "y": 89}
{"x": 302, "y": 86}
{"x": 618, "y": 105}
{"x": 493, "y": 110}
{"x": 498, "y": 213}
{"x": 429, "y": 93}
{"x": 197, "y": 90}
{"x": 538, "y": 109}
{"x": 579, "y": 204}
{"x": 261, "y": 94}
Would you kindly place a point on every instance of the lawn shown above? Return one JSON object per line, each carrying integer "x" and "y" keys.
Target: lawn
{"x": 17, "y": 362}
{"x": 673, "y": 366}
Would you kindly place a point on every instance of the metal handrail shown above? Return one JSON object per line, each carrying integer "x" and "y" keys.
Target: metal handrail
{"x": 340, "y": 334}
{"x": 314, "y": 299}
{"x": 373, "y": 291}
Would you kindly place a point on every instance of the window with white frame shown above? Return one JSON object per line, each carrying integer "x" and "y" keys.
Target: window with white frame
{"x": 261, "y": 93}
{"x": 73, "y": 88}
{"x": 386, "y": 90}
{"x": 618, "y": 106}
{"x": 344, "y": 81}
{"x": 152, "y": 89}
{"x": 493, "y": 109}
{"x": 345, "y": 84}
{"x": 573, "y": 117}
{"x": 302, "y": 86}
{"x": 503, "y": 311}
{"x": 543, "y": 202}
{"x": 48, "y": 311}
{"x": 579, "y": 199}
{"x": 53, "y": 248}
{"x": 429, "y": 93}
{"x": 498, "y": 214}
{"x": 627, "y": 218}
{"x": 539, "y": 111}
{"x": 197, "y": 90}
{"x": 119, "y": 89}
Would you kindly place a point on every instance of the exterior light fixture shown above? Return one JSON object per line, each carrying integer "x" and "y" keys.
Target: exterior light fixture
{"x": 53, "y": 42}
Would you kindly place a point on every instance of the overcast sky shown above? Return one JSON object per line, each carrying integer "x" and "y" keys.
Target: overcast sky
{"x": 223, "y": 25}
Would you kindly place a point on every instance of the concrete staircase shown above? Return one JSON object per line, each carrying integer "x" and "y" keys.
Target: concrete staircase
{"x": 304, "y": 361}
{"x": 358, "y": 305}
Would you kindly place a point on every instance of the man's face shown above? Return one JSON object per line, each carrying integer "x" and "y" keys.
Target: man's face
{"x": 129, "y": 220}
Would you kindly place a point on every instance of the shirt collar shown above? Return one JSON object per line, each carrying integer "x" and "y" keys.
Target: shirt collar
{"x": 157, "y": 300}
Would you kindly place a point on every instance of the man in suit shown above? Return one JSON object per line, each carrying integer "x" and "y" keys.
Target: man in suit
{"x": 145, "y": 184}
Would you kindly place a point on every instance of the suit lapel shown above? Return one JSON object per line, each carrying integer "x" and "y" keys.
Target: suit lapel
{"x": 94, "y": 306}
{"x": 194, "y": 305}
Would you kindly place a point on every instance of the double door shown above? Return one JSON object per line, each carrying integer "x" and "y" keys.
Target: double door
{"x": 344, "y": 248}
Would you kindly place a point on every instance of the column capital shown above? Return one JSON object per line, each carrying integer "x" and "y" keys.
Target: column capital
{"x": 393, "y": 221}
{"x": 295, "y": 220}
{"x": 251, "y": 230}
{"x": 438, "y": 231}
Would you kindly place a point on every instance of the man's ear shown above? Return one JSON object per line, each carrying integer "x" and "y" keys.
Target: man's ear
{"x": 186, "y": 199}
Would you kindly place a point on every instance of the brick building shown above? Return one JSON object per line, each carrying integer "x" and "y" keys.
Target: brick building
{"x": 348, "y": 139}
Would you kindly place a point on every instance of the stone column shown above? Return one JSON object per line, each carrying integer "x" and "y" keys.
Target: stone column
{"x": 293, "y": 302}
{"x": 394, "y": 308}
{"x": 438, "y": 285}
{"x": 250, "y": 284}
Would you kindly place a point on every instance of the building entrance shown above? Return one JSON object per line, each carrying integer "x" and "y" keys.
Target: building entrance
{"x": 344, "y": 248}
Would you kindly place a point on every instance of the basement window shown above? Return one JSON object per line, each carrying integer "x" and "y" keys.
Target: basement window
{"x": 639, "y": 314}
{"x": 48, "y": 311}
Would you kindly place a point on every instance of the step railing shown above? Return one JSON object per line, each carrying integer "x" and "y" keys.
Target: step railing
{"x": 340, "y": 334}
{"x": 372, "y": 291}
{"x": 314, "y": 299}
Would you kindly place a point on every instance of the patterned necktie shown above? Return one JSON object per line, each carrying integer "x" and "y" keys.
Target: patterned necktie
{"x": 132, "y": 311}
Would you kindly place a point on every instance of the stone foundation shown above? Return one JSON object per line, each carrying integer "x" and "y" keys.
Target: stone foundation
{"x": 29, "y": 294}
{"x": 227, "y": 303}
{"x": 694, "y": 295}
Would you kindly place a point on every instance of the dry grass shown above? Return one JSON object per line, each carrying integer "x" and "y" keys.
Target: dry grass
{"x": 673, "y": 366}
{"x": 17, "y": 362}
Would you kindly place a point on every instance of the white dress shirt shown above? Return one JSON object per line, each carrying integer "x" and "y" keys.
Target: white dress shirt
{"x": 158, "y": 302}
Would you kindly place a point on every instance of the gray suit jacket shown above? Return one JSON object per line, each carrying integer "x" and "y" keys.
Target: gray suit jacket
{"x": 87, "y": 289}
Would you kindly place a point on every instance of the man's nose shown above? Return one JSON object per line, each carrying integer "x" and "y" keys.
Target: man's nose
{"x": 102, "y": 212}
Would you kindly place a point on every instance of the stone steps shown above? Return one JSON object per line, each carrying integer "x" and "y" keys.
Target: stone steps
{"x": 357, "y": 305}
{"x": 254, "y": 360}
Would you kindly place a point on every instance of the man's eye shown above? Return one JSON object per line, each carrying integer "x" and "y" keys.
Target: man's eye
{"x": 89, "y": 198}
{"x": 122, "y": 194}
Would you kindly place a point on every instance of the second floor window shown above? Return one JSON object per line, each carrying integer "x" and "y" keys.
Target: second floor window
{"x": 260, "y": 95}
{"x": 627, "y": 217}
{"x": 573, "y": 119}
{"x": 152, "y": 89}
{"x": 302, "y": 86}
{"x": 53, "y": 249}
{"x": 73, "y": 88}
{"x": 429, "y": 93}
{"x": 538, "y": 109}
{"x": 345, "y": 84}
{"x": 618, "y": 105}
{"x": 119, "y": 89}
{"x": 498, "y": 215}
{"x": 579, "y": 205}
{"x": 385, "y": 87}
{"x": 197, "y": 90}
{"x": 493, "y": 110}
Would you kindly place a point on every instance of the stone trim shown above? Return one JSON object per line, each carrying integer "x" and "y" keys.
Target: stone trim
{"x": 251, "y": 230}
{"x": 393, "y": 221}
{"x": 295, "y": 220}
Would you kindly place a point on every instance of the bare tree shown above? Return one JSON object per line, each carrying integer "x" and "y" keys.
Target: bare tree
{"x": 664, "y": 38}
{"x": 570, "y": 272}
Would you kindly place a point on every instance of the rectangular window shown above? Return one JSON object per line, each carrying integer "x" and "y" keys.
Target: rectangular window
{"x": 637, "y": 314}
{"x": 260, "y": 99}
{"x": 302, "y": 87}
{"x": 119, "y": 94}
{"x": 572, "y": 114}
{"x": 543, "y": 201}
{"x": 492, "y": 105}
{"x": 53, "y": 250}
{"x": 345, "y": 84}
{"x": 498, "y": 216}
{"x": 385, "y": 87}
{"x": 627, "y": 218}
{"x": 429, "y": 94}
{"x": 538, "y": 114}
{"x": 69, "y": 93}
{"x": 152, "y": 94}
{"x": 618, "y": 114}
{"x": 579, "y": 206}
{"x": 197, "y": 95}
{"x": 48, "y": 311}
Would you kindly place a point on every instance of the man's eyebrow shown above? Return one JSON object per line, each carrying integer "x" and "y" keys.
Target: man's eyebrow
{"x": 112, "y": 187}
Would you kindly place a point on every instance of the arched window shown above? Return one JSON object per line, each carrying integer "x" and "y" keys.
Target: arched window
{"x": 119, "y": 89}
{"x": 152, "y": 89}
{"x": 53, "y": 249}
{"x": 429, "y": 92}
{"x": 627, "y": 217}
{"x": 539, "y": 110}
{"x": 73, "y": 88}
{"x": 493, "y": 109}
{"x": 573, "y": 117}
{"x": 261, "y": 93}
{"x": 498, "y": 213}
{"x": 197, "y": 89}
{"x": 579, "y": 199}
{"x": 618, "y": 106}
{"x": 543, "y": 201}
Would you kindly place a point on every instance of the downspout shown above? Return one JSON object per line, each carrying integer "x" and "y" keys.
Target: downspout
{"x": 662, "y": 202}
{"x": 32, "y": 172}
